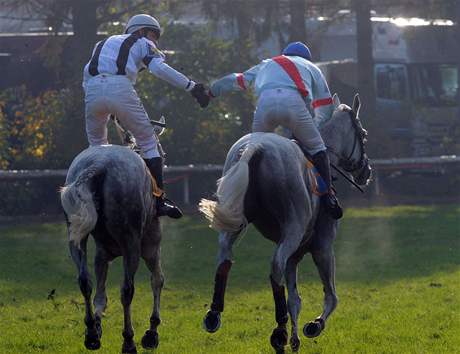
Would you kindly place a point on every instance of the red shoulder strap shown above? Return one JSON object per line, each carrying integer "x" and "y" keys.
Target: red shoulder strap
{"x": 293, "y": 73}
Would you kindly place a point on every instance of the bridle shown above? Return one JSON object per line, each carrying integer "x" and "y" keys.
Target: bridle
{"x": 359, "y": 139}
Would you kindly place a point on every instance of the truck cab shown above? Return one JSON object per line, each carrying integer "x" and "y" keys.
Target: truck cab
{"x": 416, "y": 83}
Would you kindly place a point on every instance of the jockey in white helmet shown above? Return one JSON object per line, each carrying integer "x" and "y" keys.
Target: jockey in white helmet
{"x": 108, "y": 80}
{"x": 286, "y": 85}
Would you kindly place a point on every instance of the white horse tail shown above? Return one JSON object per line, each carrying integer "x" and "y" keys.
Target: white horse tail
{"x": 78, "y": 204}
{"x": 227, "y": 214}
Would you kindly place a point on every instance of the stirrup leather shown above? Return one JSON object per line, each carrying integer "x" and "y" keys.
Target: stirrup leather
{"x": 157, "y": 191}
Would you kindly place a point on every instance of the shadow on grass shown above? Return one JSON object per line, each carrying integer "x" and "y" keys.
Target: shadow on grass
{"x": 374, "y": 245}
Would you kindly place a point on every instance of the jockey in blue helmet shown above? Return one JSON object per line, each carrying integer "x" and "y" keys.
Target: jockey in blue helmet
{"x": 287, "y": 86}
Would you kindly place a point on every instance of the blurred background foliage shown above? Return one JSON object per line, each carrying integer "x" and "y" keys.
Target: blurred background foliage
{"x": 42, "y": 121}
{"x": 47, "y": 129}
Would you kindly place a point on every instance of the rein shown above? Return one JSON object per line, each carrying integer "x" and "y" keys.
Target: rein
{"x": 347, "y": 178}
{"x": 351, "y": 166}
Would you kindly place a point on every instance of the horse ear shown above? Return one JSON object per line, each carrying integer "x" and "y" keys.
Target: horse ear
{"x": 356, "y": 104}
{"x": 336, "y": 100}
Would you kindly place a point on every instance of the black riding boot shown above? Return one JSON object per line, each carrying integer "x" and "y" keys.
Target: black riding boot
{"x": 164, "y": 205}
{"x": 321, "y": 161}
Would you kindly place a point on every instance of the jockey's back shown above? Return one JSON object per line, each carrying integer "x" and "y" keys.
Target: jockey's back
{"x": 124, "y": 54}
{"x": 271, "y": 75}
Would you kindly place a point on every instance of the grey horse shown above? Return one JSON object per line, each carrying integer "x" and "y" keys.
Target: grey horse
{"x": 265, "y": 183}
{"x": 108, "y": 193}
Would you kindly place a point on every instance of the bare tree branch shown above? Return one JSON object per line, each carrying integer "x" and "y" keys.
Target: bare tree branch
{"x": 106, "y": 17}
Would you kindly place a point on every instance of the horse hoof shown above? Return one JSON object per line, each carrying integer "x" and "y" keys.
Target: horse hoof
{"x": 279, "y": 339}
{"x": 295, "y": 344}
{"x": 150, "y": 340}
{"x": 211, "y": 322}
{"x": 129, "y": 348}
{"x": 313, "y": 329}
{"x": 92, "y": 343}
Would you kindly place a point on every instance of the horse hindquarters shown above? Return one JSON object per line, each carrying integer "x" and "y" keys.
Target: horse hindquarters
{"x": 227, "y": 214}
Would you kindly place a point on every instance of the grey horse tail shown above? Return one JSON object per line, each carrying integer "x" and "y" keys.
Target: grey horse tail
{"x": 78, "y": 203}
{"x": 227, "y": 214}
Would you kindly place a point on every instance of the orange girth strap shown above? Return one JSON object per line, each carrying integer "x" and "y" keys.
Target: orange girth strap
{"x": 290, "y": 68}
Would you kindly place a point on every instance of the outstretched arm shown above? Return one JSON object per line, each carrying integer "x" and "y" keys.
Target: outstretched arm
{"x": 160, "y": 69}
{"x": 155, "y": 61}
{"x": 234, "y": 82}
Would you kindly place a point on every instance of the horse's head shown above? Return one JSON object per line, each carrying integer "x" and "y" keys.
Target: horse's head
{"x": 347, "y": 140}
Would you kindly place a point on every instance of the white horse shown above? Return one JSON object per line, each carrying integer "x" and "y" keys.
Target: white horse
{"x": 265, "y": 183}
{"x": 109, "y": 193}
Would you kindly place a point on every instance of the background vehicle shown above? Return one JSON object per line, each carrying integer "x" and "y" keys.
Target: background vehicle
{"x": 416, "y": 82}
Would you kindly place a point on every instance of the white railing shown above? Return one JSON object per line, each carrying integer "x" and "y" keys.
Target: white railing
{"x": 187, "y": 170}
{"x": 418, "y": 163}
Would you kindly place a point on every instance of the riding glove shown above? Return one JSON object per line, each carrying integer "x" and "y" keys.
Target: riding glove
{"x": 200, "y": 94}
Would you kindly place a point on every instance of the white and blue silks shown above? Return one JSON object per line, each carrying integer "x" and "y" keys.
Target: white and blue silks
{"x": 131, "y": 54}
{"x": 279, "y": 100}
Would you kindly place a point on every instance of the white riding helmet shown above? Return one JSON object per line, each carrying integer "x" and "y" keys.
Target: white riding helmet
{"x": 138, "y": 22}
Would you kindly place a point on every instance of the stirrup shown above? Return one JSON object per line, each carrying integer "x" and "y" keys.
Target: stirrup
{"x": 167, "y": 207}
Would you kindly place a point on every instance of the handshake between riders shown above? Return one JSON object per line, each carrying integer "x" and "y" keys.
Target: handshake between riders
{"x": 290, "y": 81}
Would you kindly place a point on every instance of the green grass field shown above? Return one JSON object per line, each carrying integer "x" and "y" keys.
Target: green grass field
{"x": 398, "y": 280}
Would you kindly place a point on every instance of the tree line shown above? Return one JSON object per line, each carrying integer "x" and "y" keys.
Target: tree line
{"x": 47, "y": 129}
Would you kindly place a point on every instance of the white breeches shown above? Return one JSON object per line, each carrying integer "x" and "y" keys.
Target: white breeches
{"x": 114, "y": 94}
{"x": 287, "y": 108}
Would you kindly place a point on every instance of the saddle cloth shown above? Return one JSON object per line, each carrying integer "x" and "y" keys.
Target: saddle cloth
{"x": 317, "y": 184}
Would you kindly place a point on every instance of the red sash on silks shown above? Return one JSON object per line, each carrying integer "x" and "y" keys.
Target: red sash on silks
{"x": 293, "y": 73}
{"x": 240, "y": 80}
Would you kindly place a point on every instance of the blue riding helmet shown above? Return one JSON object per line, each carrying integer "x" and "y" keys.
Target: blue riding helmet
{"x": 298, "y": 49}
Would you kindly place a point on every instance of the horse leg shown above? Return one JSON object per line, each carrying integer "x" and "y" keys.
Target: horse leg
{"x": 130, "y": 263}
{"x": 101, "y": 265}
{"x": 211, "y": 322}
{"x": 291, "y": 242}
{"x": 279, "y": 336}
{"x": 325, "y": 262}
{"x": 294, "y": 300}
{"x": 150, "y": 338}
{"x": 92, "y": 340}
